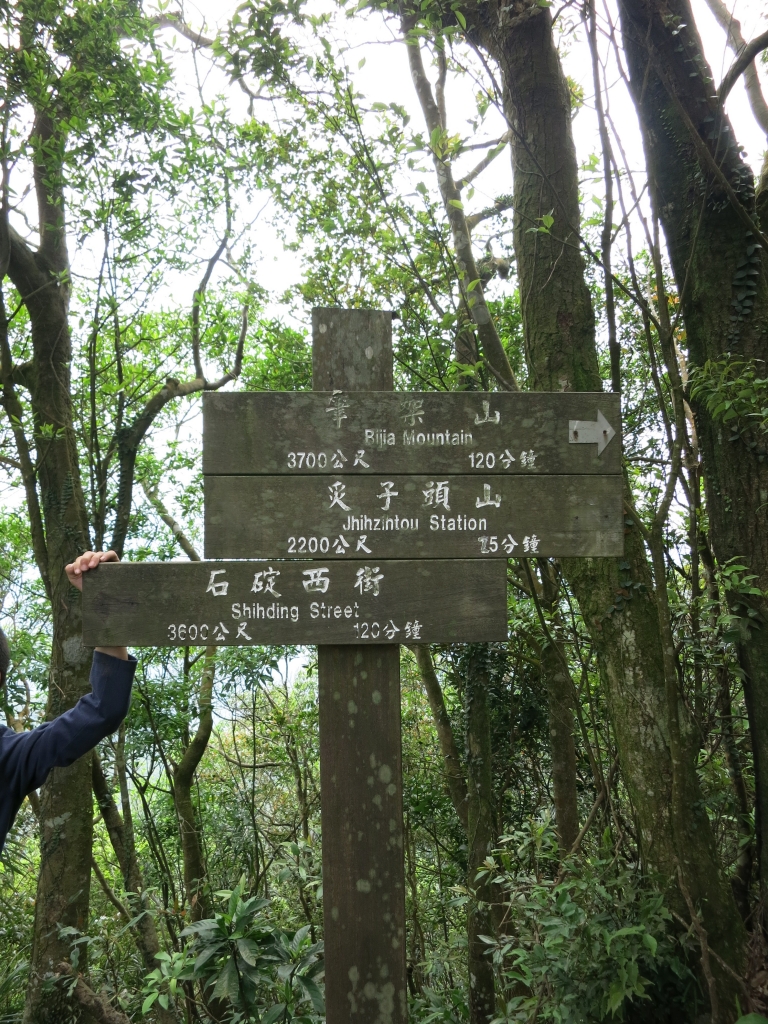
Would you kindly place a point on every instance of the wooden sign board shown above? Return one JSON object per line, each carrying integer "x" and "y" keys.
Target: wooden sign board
{"x": 180, "y": 604}
{"x": 411, "y": 432}
{"x": 413, "y": 516}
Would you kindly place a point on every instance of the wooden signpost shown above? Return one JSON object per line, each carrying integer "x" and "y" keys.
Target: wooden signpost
{"x": 182, "y": 604}
{"x": 407, "y": 475}
{"x": 361, "y": 775}
{"x": 412, "y": 516}
{"x": 408, "y": 506}
{"x": 400, "y": 432}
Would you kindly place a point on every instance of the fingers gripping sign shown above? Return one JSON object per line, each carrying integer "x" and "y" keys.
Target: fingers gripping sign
{"x": 75, "y": 570}
{"x": 86, "y": 561}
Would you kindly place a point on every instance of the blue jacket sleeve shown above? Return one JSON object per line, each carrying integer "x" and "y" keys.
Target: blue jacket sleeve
{"x": 30, "y": 756}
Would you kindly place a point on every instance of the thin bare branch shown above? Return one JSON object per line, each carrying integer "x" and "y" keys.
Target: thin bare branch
{"x": 184, "y": 543}
{"x": 175, "y": 22}
{"x": 469, "y": 278}
{"x": 487, "y": 160}
{"x": 109, "y": 892}
{"x": 197, "y": 299}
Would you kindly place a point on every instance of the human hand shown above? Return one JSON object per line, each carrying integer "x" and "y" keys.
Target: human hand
{"x": 87, "y": 561}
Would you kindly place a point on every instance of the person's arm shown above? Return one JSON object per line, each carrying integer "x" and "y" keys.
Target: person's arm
{"x": 30, "y": 756}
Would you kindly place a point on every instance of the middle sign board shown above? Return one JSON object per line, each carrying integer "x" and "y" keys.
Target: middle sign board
{"x": 404, "y": 475}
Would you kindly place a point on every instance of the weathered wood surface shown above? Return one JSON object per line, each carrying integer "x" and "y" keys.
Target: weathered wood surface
{"x": 427, "y": 517}
{"x": 397, "y": 432}
{"x": 363, "y": 865}
{"x": 363, "y": 878}
{"x": 176, "y": 604}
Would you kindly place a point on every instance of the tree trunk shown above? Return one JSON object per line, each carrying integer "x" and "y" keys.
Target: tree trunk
{"x": 455, "y": 781}
{"x": 122, "y": 839}
{"x": 704, "y": 196}
{"x": 741, "y": 880}
{"x": 481, "y": 833}
{"x": 472, "y": 798}
{"x": 560, "y": 705}
{"x": 561, "y": 744}
{"x": 60, "y": 533}
{"x": 95, "y": 1004}
{"x": 195, "y": 873}
{"x": 561, "y": 353}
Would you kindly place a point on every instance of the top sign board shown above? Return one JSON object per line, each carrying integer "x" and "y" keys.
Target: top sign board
{"x": 309, "y": 433}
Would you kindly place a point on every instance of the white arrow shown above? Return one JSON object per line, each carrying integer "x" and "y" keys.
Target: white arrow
{"x": 599, "y": 432}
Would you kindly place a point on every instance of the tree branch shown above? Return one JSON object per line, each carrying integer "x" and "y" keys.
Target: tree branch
{"x": 704, "y": 154}
{"x": 485, "y": 162}
{"x": 184, "y": 542}
{"x": 109, "y": 892}
{"x": 469, "y": 278}
{"x": 590, "y": 818}
{"x": 174, "y": 21}
{"x": 454, "y": 773}
{"x": 745, "y": 57}
{"x": 500, "y": 205}
{"x": 129, "y": 438}
{"x": 197, "y": 299}
{"x": 737, "y": 42}
{"x": 94, "y": 1003}
{"x": 15, "y": 413}
{"x": 442, "y": 74}
{"x": 194, "y": 866}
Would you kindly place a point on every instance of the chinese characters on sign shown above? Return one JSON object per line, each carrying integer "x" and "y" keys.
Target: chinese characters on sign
{"x": 294, "y": 602}
{"x": 428, "y": 433}
{"x": 413, "y": 516}
{"x": 387, "y": 475}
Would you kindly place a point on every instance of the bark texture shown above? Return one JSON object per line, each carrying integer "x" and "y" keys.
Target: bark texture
{"x": 195, "y": 873}
{"x": 60, "y": 533}
{"x": 96, "y": 1005}
{"x": 704, "y": 195}
{"x": 121, "y": 834}
{"x": 481, "y": 832}
{"x": 561, "y": 744}
{"x": 561, "y": 352}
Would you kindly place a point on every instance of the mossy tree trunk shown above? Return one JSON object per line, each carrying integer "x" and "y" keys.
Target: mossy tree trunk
{"x": 704, "y": 196}
{"x": 559, "y": 330}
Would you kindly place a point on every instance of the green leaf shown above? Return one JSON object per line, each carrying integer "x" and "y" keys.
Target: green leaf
{"x": 145, "y": 1006}
{"x": 650, "y": 943}
{"x": 314, "y": 993}
{"x": 461, "y": 19}
{"x": 273, "y": 1013}
{"x": 457, "y": 203}
{"x": 228, "y": 982}
{"x": 249, "y": 950}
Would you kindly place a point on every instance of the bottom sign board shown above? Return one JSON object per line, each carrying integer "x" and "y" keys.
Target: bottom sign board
{"x": 241, "y": 603}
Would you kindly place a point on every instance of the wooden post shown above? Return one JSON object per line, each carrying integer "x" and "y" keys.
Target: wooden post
{"x": 360, "y": 750}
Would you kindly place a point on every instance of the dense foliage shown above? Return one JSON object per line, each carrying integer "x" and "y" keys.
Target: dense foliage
{"x": 580, "y": 825}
